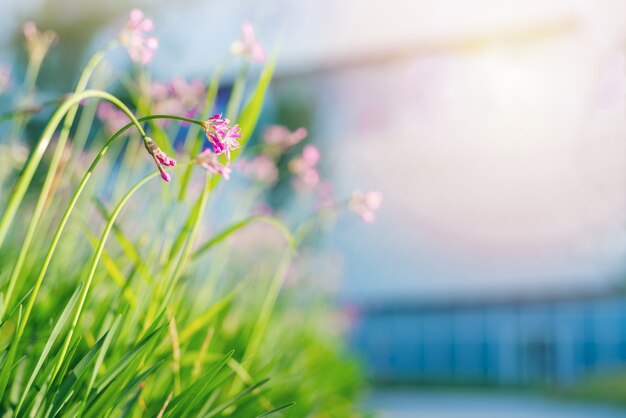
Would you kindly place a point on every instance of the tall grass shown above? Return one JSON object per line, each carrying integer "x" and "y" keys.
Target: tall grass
{"x": 123, "y": 295}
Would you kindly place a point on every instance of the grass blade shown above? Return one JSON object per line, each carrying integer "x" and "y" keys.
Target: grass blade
{"x": 51, "y": 339}
{"x": 277, "y": 409}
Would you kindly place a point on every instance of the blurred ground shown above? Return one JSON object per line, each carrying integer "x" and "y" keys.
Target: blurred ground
{"x": 434, "y": 404}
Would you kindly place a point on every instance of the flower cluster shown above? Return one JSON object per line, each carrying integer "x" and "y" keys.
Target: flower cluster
{"x": 207, "y": 159}
{"x": 248, "y": 46}
{"x": 5, "y": 79}
{"x": 178, "y": 97}
{"x": 365, "y": 204}
{"x": 134, "y": 37}
{"x": 261, "y": 168}
{"x": 222, "y": 136}
{"x": 281, "y": 138}
{"x": 277, "y": 140}
{"x": 112, "y": 117}
{"x": 160, "y": 158}
{"x": 38, "y": 43}
{"x": 304, "y": 168}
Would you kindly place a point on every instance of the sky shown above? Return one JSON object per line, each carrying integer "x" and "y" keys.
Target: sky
{"x": 495, "y": 129}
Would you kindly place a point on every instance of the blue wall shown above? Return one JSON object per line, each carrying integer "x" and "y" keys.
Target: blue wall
{"x": 513, "y": 343}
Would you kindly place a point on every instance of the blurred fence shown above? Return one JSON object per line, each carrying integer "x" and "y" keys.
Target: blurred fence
{"x": 525, "y": 341}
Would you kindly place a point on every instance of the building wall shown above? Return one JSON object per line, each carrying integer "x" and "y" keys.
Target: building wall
{"x": 549, "y": 342}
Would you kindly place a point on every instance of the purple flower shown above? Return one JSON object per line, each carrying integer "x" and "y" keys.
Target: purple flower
{"x": 261, "y": 168}
{"x": 5, "y": 79}
{"x": 208, "y": 160}
{"x": 112, "y": 117}
{"x": 324, "y": 194}
{"x": 160, "y": 158}
{"x": 304, "y": 167}
{"x": 221, "y": 135}
{"x": 178, "y": 97}
{"x": 365, "y": 204}
{"x": 248, "y": 45}
{"x": 134, "y": 37}
{"x": 282, "y": 137}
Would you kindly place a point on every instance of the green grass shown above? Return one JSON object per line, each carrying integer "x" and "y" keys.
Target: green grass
{"x": 604, "y": 388}
{"x": 122, "y": 295}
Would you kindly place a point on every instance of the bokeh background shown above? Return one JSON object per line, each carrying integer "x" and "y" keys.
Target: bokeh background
{"x": 495, "y": 131}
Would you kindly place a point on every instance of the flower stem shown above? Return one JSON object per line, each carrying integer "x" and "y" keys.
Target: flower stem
{"x": 4, "y": 376}
{"x": 232, "y": 110}
{"x": 92, "y": 270}
{"x": 43, "y": 196}
{"x": 185, "y": 256}
{"x": 265, "y": 314}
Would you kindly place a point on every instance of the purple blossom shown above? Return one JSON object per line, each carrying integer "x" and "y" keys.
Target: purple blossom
{"x": 304, "y": 167}
{"x": 248, "y": 45}
{"x": 324, "y": 195}
{"x": 282, "y": 137}
{"x": 160, "y": 158}
{"x": 261, "y": 168}
{"x": 134, "y": 37}
{"x": 221, "y": 135}
{"x": 365, "y": 204}
{"x": 112, "y": 117}
{"x": 207, "y": 159}
{"x": 5, "y": 79}
{"x": 178, "y": 97}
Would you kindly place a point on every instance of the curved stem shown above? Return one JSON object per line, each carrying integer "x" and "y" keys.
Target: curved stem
{"x": 92, "y": 269}
{"x": 43, "y": 196}
{"x": 226, "y": 232}
{"x": 186, "y": 253}
{"x": 42, "y": 145}
{"x": 10, "y": 358}
{"x": 232, "y": 109}
{"x": 264, "y": 315}
{"x": 70, "y": 208}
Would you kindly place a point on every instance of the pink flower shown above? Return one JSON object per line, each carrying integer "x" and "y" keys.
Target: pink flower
{"x": 178, "y": 97}
{"x": 5, "y": 79}
{"x": 208, "y": 160}
{"x": 134, "y": 37}
{"x": 262, "y": 209}
{"x": 112, "y": 117}
{"x": 304, "y": 167}
{"x": 38, "y": 43}
{"x": 261, "y": 168}
{"x": 160, "y": 158}
{"x": 221, "y": 135}
{"x": 365, "y": 204}
{"x": 282, "y": 137}
{"x": 248, "y": 45}
{"x": 324, "y": 195}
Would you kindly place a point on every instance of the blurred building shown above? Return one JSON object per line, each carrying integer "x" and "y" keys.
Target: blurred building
{"x": 555, "y": 340}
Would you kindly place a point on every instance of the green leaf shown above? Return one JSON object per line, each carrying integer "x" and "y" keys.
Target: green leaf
{"x": 226, "y": 232}
{"x": 252, "y": 110}
{"x": 68, "y": 383}
{"x": 277, "y": 409}
{"x": 234, "y": 399}
{"x": 100, "y": 359}
{"x": 191, "y": 397}
{"x": 126, "y": 244}
{"x": 197, "y": 145}
{"x": 201, "y": 321}
{"x": 114, "y": 271}
{"x": 51, "y": 339}
{"x": 119, "y": 367}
